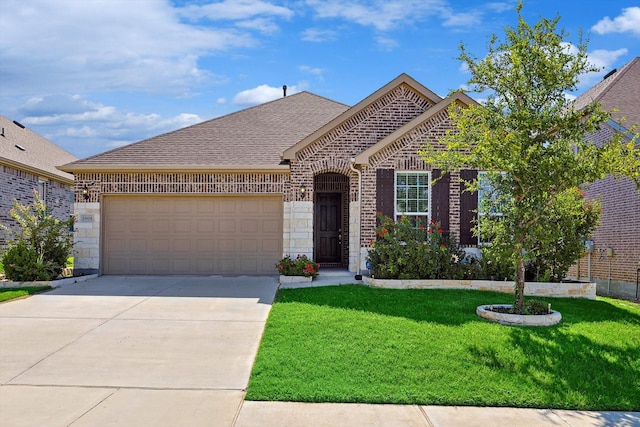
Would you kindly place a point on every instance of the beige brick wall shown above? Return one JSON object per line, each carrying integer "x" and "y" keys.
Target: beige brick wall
{"x": 298, "y": 229}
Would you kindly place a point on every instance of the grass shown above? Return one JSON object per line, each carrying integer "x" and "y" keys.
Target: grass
{"x": 359, "y": 344}
{"x": 7, "y": 294}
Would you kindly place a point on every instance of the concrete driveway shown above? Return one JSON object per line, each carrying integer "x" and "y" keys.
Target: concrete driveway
{"x": 156, "y": 351}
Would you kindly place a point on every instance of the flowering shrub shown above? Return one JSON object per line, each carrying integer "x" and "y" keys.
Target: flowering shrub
{"x": 40, "y": 246}
{"x": 300, "y": 266}
{"x": 404, "y": 250}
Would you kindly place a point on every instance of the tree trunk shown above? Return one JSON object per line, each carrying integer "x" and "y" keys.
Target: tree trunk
{"x": 518, "y": 303}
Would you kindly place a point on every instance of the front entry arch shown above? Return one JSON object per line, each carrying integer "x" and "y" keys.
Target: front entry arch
{"x": 331, "y": 220}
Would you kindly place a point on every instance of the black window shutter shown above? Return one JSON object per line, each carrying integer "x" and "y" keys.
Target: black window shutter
{"x": 440, "y": 200}
{"x": 385, "y": 191}
{"x": 468, "y": 204}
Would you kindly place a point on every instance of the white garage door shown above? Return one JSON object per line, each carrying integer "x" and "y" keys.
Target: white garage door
{"x": 191, "y": 234}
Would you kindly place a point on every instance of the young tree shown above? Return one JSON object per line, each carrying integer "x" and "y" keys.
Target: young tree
{"x": 533, "y": 140}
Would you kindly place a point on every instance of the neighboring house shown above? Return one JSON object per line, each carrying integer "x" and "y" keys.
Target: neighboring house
{"x": 615, "y": 261}
{"x": 299, "y": 175}
{"x": 27, "y": 163}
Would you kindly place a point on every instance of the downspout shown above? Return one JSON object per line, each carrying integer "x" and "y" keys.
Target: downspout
{"x": 359, "y": 250}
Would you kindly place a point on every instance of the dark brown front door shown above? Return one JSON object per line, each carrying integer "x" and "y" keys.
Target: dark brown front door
{"x": 328, "y": 227}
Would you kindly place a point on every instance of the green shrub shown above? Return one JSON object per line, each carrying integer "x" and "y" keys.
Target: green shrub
{"x": 300, "y": 266}
{"x": 534, "y": 306}
{"x": 39, "y": 250}
{"x": 405, "y": 250}
{"x": 496, "y": 264}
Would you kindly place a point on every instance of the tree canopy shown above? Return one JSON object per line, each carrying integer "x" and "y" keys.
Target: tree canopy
{"x": 533, "y": 143}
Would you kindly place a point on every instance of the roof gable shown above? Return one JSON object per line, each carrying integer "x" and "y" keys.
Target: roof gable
{"x": 24, "y": 149}
{"x": 249, "y": 139}
{"x": 403, "y": 79}
{"x": 620, "y": 91}
{"x": 443, "y": 105}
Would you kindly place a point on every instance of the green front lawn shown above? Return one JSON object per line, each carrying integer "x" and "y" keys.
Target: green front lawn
{"x": 359, "y": 344}
{"x": 7, "y": 294}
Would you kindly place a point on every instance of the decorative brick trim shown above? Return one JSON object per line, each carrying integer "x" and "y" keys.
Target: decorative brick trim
{"x": 177, "y": 183}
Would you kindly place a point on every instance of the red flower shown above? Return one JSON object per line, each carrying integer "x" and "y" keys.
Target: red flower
{"x": 439, "y": 230}
{"x": 442, "y": 245}
{"x": 422, "y": 227}
{"x": 429, "y": 230}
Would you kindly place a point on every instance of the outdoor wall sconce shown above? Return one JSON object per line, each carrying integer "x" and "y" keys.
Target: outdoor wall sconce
{"x": 303, "y": 191}
{"x": 85, "y": 192}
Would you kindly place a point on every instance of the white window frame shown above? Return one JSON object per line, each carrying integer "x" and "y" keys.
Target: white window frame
{"x": 482, "y": 242}
{"x": 43, "y": 184}
{"x": 396, "y": 213}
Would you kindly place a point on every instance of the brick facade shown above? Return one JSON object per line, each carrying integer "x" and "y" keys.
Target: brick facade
{"x": 16, "y": 184}
{"x": 333, "y": 151}
{"x": 322, "y": 164}
{"x": 619, "y": 230}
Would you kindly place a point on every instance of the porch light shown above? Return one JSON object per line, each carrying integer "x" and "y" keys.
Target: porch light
{"x": 303, "y": 191}
{"x": 85, "y": 192}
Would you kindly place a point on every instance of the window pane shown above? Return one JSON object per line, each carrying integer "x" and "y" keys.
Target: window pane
{"x": 412, "y": 194}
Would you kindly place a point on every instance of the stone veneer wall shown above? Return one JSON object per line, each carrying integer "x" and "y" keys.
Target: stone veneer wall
{"x": 16, "y": 184}
{"x": 539, "y": 289}
{"x": 298, "y": 229}
{"x": 86, "y": 238}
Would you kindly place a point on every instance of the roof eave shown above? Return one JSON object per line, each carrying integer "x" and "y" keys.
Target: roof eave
{"x": 38, "y": 172}
{"x": 89, "y": 168}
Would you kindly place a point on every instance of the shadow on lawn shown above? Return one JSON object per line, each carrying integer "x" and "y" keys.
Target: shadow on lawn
{"x": 444, "y": 306}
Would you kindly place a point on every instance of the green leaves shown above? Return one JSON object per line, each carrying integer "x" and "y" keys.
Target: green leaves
{"x": 40, "y": 248}
{"x": 529, "y": 130}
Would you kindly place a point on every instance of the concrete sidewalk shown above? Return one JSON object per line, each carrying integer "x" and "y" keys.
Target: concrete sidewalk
{"x": 178, "y": 351}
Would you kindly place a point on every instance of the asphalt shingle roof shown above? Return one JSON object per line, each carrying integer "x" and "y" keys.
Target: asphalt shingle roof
{"x": 24, "y": 149}
{"x": 251, "y": 138}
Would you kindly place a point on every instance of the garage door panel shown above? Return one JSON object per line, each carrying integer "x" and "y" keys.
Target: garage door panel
{"x": 226, "y": 225}
{"x": 270, "y": 246}
{"x": 249, "y": 226}
{"x": 204, "y": 225}
{"x": 191, "y": 234}
{"x": 182, "y": 225}
{"x": 226, "y": 246}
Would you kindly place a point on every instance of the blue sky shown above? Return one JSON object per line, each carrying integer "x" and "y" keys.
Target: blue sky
{"x": 93, "y": 75}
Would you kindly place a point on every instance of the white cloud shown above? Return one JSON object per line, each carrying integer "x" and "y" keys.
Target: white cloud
{"x": 466, "y": 19}
{"x": 221, "y": 101}
{"x": 84, "y": 127}
{"x": 319, "y": 35}
{"x": 386, "y": 15}
{"x": 311, "y": 70}
{"x": 264, "y": 25}
{"x": 386, "y": 43}
{"x": 265, "y": 93}
{"x": 235, "y": 10}
{"x": 628, "y": 21}
{"x": 380, "y": 14}
{"x": 104, "y": 45}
